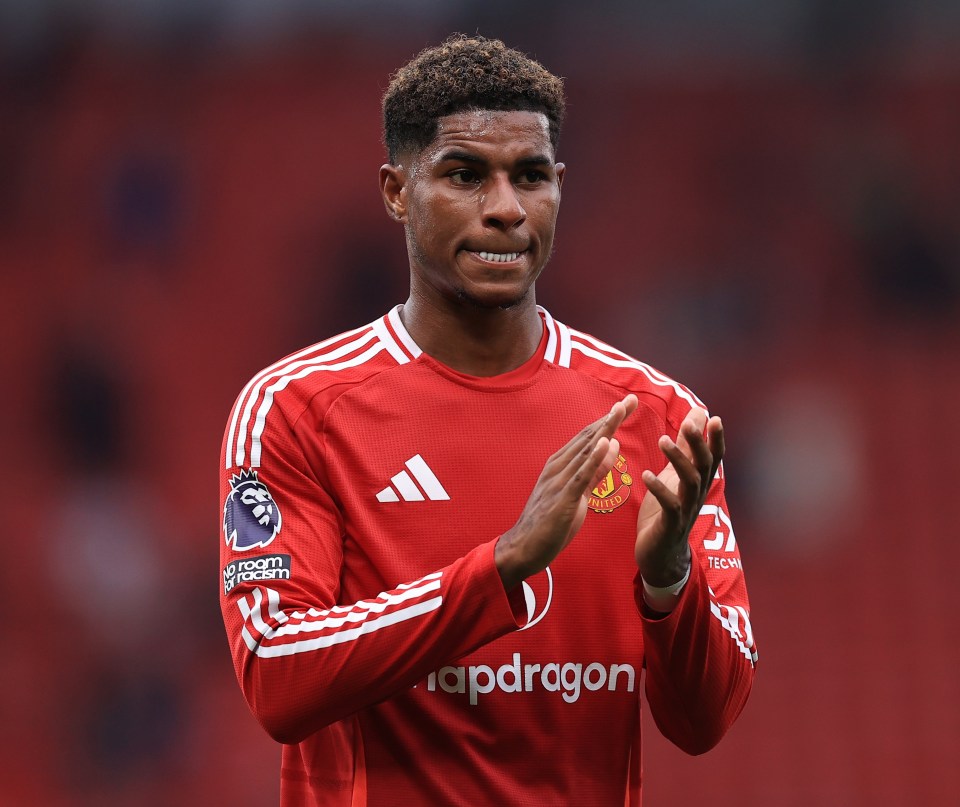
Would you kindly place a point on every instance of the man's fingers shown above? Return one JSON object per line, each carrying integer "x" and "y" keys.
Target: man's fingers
{"x": 692, "y": 463}
{"x": 613, "y": 451}
{"x": 618, "y": 413}
{"x": 555, "y": 510}
{"x": 593, "y": 468}
{"x": 697, "y": 449}
{"x": 584, "y": 475}
{"x": 716, "y": 442}
{"x": 703, "y": 441}
{"x": 581, "y": 441}
{"x": 602, "y": 459}
{"x": 668, "y": 499}
{"x": 693, "y": 424}
{"x": 568, "y": 459}
{"x": 689, "y": 474}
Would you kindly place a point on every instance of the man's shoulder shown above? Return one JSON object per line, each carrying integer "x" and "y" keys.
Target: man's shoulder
{"x": 335, "y": 363}
{"x": 594, "y": 357}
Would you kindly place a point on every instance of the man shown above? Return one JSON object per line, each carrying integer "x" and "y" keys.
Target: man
{"x": 433, "y": 593}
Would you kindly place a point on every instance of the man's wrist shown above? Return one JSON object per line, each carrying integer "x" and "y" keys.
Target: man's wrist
{"x": 505, "y": 559}
{"x": 664, "y": 598}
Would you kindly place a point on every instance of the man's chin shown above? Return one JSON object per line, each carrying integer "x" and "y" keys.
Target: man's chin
{"x": 492, "y": 302}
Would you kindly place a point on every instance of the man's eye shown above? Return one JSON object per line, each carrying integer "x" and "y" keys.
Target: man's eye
{"x": 464, "y": 176}
{"x": 532, "y": 176}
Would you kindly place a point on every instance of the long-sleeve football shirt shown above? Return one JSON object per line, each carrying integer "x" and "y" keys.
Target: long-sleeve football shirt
{"x": 363, "y": 488}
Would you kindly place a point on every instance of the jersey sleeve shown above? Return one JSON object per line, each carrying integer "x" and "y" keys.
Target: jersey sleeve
{"x": 304, "y": 657}
{"x": 700, "y": 658}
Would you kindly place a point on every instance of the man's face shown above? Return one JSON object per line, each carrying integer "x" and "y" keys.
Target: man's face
{"x": 479, "y": 205}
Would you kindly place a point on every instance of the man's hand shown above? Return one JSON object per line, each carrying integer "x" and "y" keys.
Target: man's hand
{"x": 558, "y": 505}
{"x": 674, "y": 498}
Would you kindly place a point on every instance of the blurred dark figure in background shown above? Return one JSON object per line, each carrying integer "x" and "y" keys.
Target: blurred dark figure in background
{"x": 909, "y": 272}
{"x": 124, "y": 698}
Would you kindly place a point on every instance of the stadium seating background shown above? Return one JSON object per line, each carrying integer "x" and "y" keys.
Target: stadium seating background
{"x": 778, "y": 228}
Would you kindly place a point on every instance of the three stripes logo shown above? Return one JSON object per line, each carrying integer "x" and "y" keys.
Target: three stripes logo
{"x": 404, "y": 487}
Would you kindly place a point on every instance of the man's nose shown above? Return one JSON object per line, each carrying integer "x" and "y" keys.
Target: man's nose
{"x": 501, "y": 205}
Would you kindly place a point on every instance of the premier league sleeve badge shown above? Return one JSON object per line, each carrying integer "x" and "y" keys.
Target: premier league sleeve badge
{"x": 251, "y": 517}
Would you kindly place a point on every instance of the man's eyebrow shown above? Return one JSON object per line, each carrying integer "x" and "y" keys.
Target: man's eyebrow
{"x": 455, "y": 155}
{"x": 535, "y": 160}
{"x": 460, "y": 156}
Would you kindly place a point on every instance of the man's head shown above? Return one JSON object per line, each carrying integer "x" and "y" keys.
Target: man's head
{"x": 465, "y": 73}
{"x": 472, "y": 129}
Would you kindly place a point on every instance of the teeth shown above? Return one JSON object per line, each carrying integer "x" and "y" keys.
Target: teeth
{"x": 499, "y": 257}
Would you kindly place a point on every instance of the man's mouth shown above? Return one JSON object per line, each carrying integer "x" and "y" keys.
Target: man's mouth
{"x": 498, "y": 257}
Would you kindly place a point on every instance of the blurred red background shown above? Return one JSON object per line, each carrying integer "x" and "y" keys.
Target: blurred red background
{"x": 765, "y": 206}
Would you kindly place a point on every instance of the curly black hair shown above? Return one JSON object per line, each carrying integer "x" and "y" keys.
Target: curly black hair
{"x": 465, "y": 73}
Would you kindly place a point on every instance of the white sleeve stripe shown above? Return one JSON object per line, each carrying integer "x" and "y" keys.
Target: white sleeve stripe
{"x": 647, "y": 369}
{"x": 314, "y": 626}
{"x": 433, "y": 576}
{"x": 362, "y": 604}
{"x": 281, "y": 384}
{"x": 733, "y": 618}
{"x": 655, "y": 378}
{"x": 734, "y": 631}
{"x": 263, "y": 374}
{"x": 603, "y": 346}
{"x": 273, "y": 606}
{"x": 326, "y": 620}
{"x": 323, "y": 360}
{"x": 251, "y": 643}
{"x": 565, "y": 345}
{"x": 389, "y": 342}
{"x": 279, "y": 370}
{"x": 306, "y": 645}
{"x": 334, "y": 618}
{"x": 256, "y": 616}
{"x": 746, "y": 624}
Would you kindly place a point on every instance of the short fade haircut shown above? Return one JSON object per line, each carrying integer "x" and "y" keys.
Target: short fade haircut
{"x": 465, "y": 73}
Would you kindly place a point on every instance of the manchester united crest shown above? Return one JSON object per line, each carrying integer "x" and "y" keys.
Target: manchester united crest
{"x": 613, "y": 490}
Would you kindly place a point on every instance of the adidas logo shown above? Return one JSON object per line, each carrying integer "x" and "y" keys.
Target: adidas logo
{"x": 405, "y": 488}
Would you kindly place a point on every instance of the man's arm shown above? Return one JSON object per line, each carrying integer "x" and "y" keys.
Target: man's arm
{"x": 305, "y": 659}
{"x": 700, "y": 653}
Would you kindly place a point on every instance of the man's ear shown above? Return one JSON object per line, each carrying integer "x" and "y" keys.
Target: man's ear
{"x": 393, "y": 180}
{"x": 561, "y": 169}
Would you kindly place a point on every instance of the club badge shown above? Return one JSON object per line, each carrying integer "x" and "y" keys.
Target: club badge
{"x": 613, "y": 490}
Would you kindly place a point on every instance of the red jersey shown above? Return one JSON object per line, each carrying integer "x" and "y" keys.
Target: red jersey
{"x": 364, "y": 486}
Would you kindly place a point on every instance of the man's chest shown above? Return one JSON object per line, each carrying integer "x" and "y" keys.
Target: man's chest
{"x": 422, "y": 479}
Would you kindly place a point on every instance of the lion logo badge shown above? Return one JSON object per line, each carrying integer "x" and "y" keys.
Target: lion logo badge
{"x": 251, "y": 517}
{"x": 613, "y": 490}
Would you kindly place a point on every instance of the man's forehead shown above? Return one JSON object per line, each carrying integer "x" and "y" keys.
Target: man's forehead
{"x": 477, "y": 121}
{"x": 515, "y": 130}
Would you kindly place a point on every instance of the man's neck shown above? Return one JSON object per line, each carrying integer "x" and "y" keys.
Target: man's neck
{"x": 472, "y": 340}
